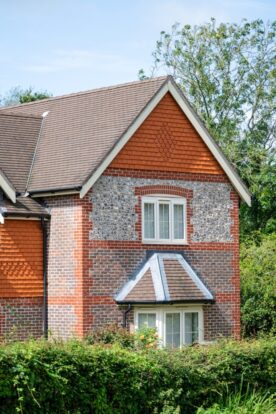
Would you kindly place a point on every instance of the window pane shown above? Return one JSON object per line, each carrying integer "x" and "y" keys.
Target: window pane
{"x": 178, "y": 225}
{"x": 147, "y": 320}
{"x": 149, "y": 232}
{"x": 191, "y": 327}
{"x": 164, "y": 215}
{"x": 173, "y": 330}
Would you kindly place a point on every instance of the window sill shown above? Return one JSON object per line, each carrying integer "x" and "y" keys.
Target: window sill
{"x": 166, "y": 242}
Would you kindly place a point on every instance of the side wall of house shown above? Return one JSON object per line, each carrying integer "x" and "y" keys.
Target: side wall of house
{"x": 21, "y": 279}
{"x": 95, "y": 243}
{"x": 165, "y": 156}
{"x": 116, "y": 248}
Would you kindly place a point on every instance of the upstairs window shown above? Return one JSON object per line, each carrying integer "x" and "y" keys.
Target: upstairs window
{"x": 164, "y": 219}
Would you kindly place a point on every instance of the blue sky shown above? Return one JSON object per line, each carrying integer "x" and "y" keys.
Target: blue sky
{"x": 71, "y": 45}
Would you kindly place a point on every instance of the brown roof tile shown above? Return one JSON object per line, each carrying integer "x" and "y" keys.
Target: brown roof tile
{"x": 143, "y": 290}
{"x": 180, "y": 284}
{"x": 78, "y": 132}
{"x": 18, "y": 138}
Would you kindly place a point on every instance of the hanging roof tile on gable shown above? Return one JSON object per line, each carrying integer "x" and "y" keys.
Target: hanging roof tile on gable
{"x": 165, "y": 278}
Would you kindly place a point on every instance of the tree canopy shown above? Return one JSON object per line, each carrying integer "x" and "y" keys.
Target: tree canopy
{"x": 227, "y": 71}
{"x": 17, "y": 95}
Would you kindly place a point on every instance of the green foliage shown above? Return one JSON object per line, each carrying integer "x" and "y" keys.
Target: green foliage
{"x": 77, "y": 378}
{"x": 112, "y": 334}
{"x": 146, "y": 338}
{"x": 18, "y": 95}
{"x": 115, "y": 335}
{"x": 227, "y": 71}
{"x": 250, "y": 403}
{"x": 258, "y": 285}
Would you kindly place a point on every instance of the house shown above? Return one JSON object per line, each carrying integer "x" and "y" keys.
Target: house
{"x": 117, "y": 206}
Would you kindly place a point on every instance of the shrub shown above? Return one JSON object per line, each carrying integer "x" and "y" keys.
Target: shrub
{"x": 146, "y": 338}
{"x": 112, "y": 334}
{"x": 77, "y": 378}
{"x": 258, "y": 294}
{"x": 250, "y": 403}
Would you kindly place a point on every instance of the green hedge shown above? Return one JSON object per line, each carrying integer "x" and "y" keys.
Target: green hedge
{"x": 74, "y": 377}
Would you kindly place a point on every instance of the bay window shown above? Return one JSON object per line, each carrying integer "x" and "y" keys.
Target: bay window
{"x": 175, "y": 326}
{"x": 164, "y": 219}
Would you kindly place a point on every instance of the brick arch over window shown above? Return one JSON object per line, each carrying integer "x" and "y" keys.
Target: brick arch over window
{"x": 169, "y": 190}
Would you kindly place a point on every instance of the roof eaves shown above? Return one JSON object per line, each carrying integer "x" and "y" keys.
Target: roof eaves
{"x": 7, "y": 186}
{"x": 166, "y": 302}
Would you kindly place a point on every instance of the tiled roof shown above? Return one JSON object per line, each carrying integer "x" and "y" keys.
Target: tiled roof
{"x": 165, "y": 278}
{"x": 18, "y": 138}
{"x": 78, "y": 132}
{"x": 24, "y": 206}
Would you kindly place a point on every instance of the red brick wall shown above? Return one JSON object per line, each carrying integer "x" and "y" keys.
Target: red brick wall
{"x": 68, "y": 265}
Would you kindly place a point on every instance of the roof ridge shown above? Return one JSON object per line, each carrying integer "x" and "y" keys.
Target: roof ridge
{"x": 80, "y": 93}
{"x": 19, "y": 114}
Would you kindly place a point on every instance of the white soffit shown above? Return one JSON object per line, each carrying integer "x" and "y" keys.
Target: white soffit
{"x": 169, "y": 86}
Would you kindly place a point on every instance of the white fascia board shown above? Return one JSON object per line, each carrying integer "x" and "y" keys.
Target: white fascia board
{"x": 124, "y": 139}
{"x": 202, "y": 131}
{"x": 8, "y": 189}
{"x": 127, "y": 288}
{"x": 194, "y": 277}
{"x": 156, "y": 278}
{"x": 211, "y": 144}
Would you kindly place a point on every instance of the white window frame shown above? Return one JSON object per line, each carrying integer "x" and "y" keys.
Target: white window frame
{"x": 162, "y": 311}
{"x": 171, "y": 200}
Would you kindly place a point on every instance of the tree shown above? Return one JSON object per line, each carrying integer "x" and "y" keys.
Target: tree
{"x": 17, "y": 95}
{"x": 258, "y": 291}
{"x": 227, "y": 71}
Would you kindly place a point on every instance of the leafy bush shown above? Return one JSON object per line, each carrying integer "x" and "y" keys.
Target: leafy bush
{"x": 258, "y": 281}
{"x": 112, "y": 334}
{"x": 115, "y": 335}
{"x": 250, "y": 403}
{"x": 74, "y": 377}
{"x": 146, "y": 338}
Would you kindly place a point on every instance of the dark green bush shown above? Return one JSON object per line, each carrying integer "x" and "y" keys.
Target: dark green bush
{"x": 74, "y": 377}
{"x": 258, "y": 285}
{"x": 112, "y": 334}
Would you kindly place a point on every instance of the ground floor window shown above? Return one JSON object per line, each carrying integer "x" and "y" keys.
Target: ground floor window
{"x": 176, "y": 326}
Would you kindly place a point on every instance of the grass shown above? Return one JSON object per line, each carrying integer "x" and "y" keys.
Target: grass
{"x": 249, "y": 403}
